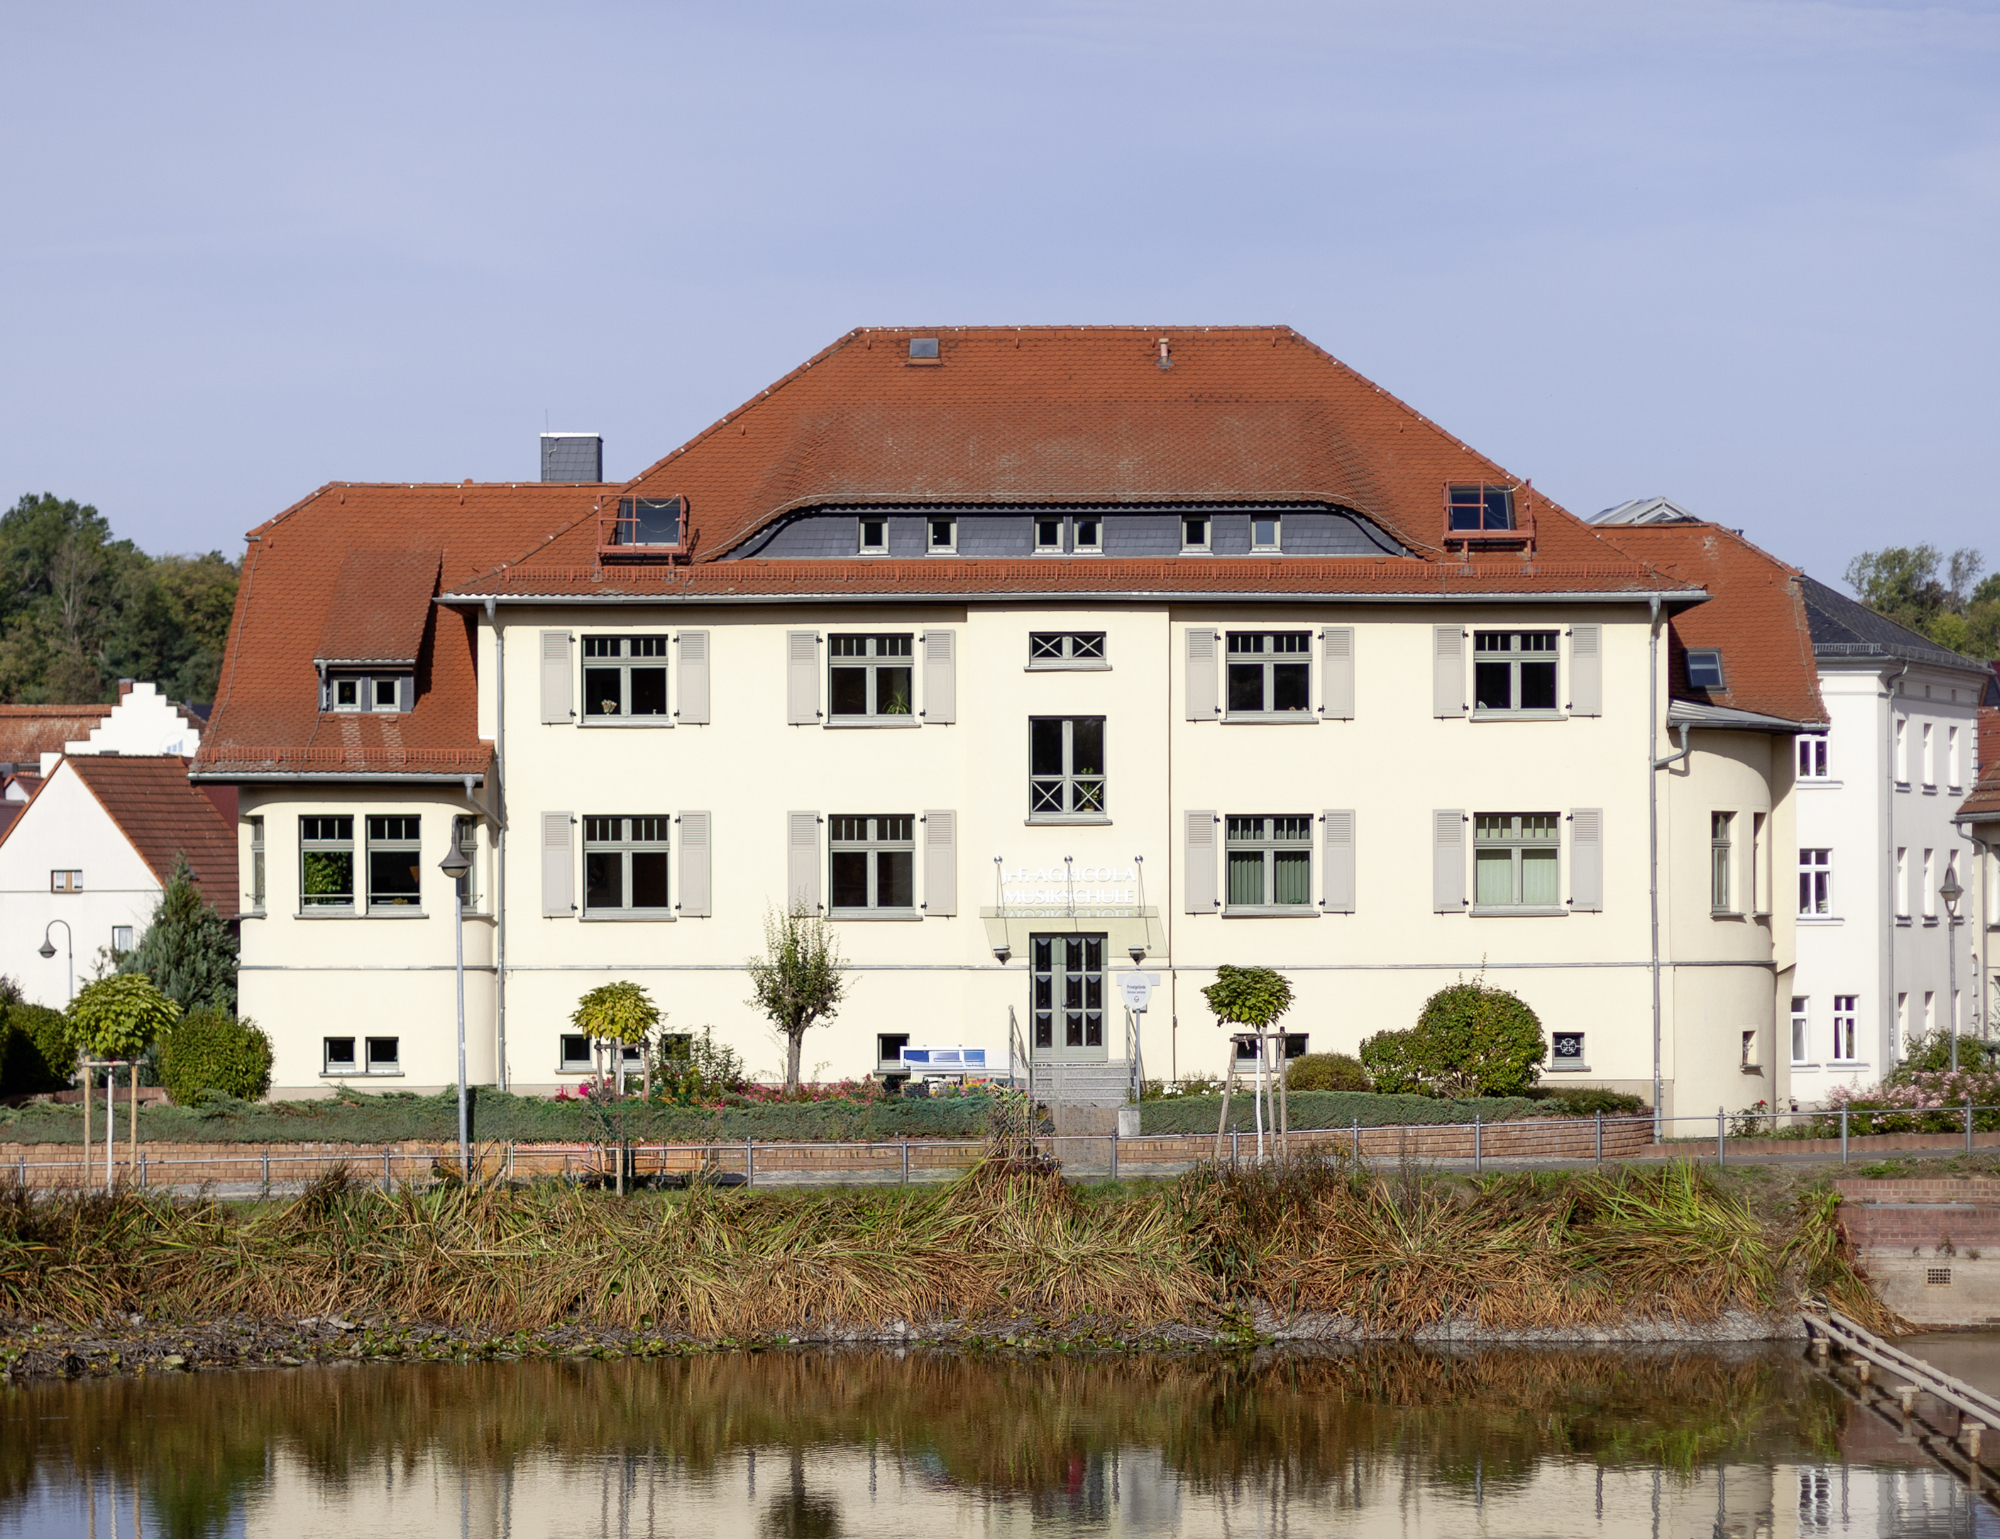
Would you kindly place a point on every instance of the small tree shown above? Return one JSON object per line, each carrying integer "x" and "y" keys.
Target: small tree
{"x": 1249, "y": 996}
{"x": 187, "y": 950}
{"x": 621, "y": 1012}
{"x": 797, "y": 981}
{"x": 117, "y": 1017}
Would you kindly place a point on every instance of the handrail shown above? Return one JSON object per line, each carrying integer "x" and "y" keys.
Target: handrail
{"x": 1862, "y": 1342}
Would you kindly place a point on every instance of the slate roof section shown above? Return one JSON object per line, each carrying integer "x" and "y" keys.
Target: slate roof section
{"x": 154, "y": 806}
{"x": 381, "y": 607}
{"x": 1755, "y": 616}
{"x": 1038, "y": 415}
{"x": 1843, "y": 628}
{"x": 29, "y": 731}
{"x": 266, "y": 720}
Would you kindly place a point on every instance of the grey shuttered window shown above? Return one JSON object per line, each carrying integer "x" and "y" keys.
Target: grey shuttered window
{"x": 1200, "y": 863}
{"x": 940, "y": 864}
{"x": 1336, "y": 651}
{"x": 1201, "y": 676}
{"x": 693, "y": 679}
{"x": 801, "y": 678}
{"x": 802, "y": 858}
{"x": 940, "y": 677}
{"x": 1586, "y": 859}
{"x": 1448, "y": 861}
{"x": 1447, "y": 671}
{"x": 558, "y": 867}
{"x": 697, "y": 880}
{"x": 1586, "y": 670}
{"x": 1339, "y": 834}
{"x": 555, "y": 676}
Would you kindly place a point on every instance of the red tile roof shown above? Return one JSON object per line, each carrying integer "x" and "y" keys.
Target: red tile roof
{"x": 154, "y": 806}
{"x": 29, "y": 731}
{"x": 267, "y": 718}
{"x": 381, "y": 607}
{"x": 1755, "y": 617}
{"x": 1984, "y": 802}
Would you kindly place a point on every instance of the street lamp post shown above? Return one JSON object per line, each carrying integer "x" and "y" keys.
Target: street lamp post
{"x": 455, "y": 865}
{"x": 1951, "y": 892}
{"x": 48, "y": 949}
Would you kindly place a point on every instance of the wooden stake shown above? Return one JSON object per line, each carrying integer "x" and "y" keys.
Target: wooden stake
{"x": 83, "y": 1078}
{"x": 1228, "y": 1084}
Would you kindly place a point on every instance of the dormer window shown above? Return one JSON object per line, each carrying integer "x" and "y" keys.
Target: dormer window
{"x": 369, "y": 692}
{"x": 1704, "y": 666}
{"x": 1479, "y": 508}
{"x": 1264, "y": 532}
{"x": 874, "y": 536}
{"x": 646, "y": 521}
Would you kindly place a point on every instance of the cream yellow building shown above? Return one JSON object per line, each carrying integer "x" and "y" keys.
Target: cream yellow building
{"x": 1021, "y": 655}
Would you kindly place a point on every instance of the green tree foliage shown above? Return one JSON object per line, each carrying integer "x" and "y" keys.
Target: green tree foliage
{"x": 120, "y": 1016}
{"x": 1248, "y": 996}
{"x": 80, "y": 610}
{"x": 697, "y": 1070}
{"x": 1469, "y": 1040}
{"x": 187, "y": 949}
{"x": 212, "y": 1050}
{"x": 1327, "y": 1071}
{"x": 620, "y": 1012}
{"x": 1939, "y": 597}
{"x": 798, "y": 979}
{"x": 36, "y": 1054}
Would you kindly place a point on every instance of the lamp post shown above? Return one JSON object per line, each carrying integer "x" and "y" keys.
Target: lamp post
{"x": 455, "y": 865}
{"x": 48, "y": 949}
{"x": 1951, "y": 892}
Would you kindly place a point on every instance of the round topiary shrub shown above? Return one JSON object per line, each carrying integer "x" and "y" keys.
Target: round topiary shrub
{"x": 1327, "y": 1071}
{"x": 1470, "y": 1039}
{"x": 214, "y": 1050}
{"x": 37, "y": 1053}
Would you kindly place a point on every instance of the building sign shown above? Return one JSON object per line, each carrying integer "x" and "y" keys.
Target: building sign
{"x": 1069, "y": 890}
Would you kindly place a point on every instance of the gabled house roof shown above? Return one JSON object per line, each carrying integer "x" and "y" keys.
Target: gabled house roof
{"x": 151, "y": 802}
{"x": 1755, "y": 616}
{"x": 29, "y": 731}
{"x": 1843, "y": 628}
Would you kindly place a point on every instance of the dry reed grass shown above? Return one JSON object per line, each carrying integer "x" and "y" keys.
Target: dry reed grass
{"x": 1008, "y": 1239}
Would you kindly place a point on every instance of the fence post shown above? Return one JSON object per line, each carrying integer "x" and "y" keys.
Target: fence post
{"x": 388, "y": 1175}
{"x": 1721, "y": 1129}
{"x": 1354, "y": 1148}
{"x": 749, "y": 1163}
{"x": 1478, "y": 1156}
{"x": 1843, "y": 1135}
{"x": 906, "y": 1162}
{"x": 1600, "y": 1138}
{"x": 142, "y": 1170}
{"x": 1114, "y": 1156}
{"x": 1968, "y": 1124}
{"x": 21, "y": 1170}
{"x": 1233, "y": 1136}
{"x": 267, "y": 1170}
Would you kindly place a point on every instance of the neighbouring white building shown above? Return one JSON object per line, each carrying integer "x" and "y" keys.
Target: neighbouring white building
{"x": 1979, "y": 818}
{"x": 1019, "y": 654}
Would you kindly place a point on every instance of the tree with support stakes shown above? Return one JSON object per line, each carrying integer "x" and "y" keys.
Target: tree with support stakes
{"x": 1256, "y": 997}
{"x": 117, "y": 1018}
{"x": 624, "y": 1014}
{"x": 798, "y": 980}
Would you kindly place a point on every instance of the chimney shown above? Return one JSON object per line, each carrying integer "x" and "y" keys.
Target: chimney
{"x": 124, "y": 688}
{"x": 572, "y": 457}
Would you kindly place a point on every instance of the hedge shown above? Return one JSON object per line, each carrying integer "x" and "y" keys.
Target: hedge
{"x": 35, "y": 1052}
{"x": 212, "y": 1051}
{"x": 1329, "y": 1109}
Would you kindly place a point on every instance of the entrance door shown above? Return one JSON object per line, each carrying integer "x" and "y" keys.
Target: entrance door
{"x": 1067, "y": 998}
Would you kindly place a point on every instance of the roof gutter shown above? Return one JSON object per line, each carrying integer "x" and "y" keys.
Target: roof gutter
{"x": 366, "y": 778}
{"x": 1120, "y": 595}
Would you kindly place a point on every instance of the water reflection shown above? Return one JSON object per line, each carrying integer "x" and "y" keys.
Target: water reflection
{"x": 764, "y": 1446}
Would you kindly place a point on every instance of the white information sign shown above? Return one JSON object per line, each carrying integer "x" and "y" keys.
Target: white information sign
{"x": 1138, "y": 990}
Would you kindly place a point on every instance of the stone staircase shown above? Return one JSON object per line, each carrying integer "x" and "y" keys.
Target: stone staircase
{"x": 1082, "y": 1084}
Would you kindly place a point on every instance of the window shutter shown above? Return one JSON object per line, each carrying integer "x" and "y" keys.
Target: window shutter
{"x": 697, "y": 900}
{"x": 941, "y": 863}
{"x": 693, "y": 679}
{"x": 1201, "y": 676}
{"x": 406, "y": 692}
{"x": 802, "y": 855}
{"x": 1586, "y": 859}
{"x": 1586, "y": 670}
{"x": 940, "y": 677}
{"x": 1447, "y": 671}
{"x": 1339, "y": 862}
{"x": 558, "y": 869}
{"x": 1448, "y": 861}
{"x": 1200, "y": 862}
{"x": 801, "y": 678}
{"x": 1336, "y": 644}
{"x": 555, "y": 677}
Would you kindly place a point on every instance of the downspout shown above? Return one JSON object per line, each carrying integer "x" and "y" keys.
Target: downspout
{"x": 499, "y": 843}
{"x": 1889, "y": 1012}
{"x": 1653, "y": 767}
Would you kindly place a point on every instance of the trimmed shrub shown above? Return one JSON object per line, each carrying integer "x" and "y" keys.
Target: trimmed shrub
{"x": 212, "y": 1050}
{"x": 1328, "y": 1109}
{"x": 1469, "y": 1040}
{"x": 37, "y": 1053}
{"x": 1327, "y": 1071}
{"x": 1584, "y": 1101}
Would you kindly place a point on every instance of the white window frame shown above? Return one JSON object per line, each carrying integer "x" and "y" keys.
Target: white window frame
{"x": 1930, "y": 886}
{"x": 1086, "y": 534}
{"x": 399, "y": 842}
{"x": 1812, "y": 757}
{"x": 862, "y": 525}
{"x": 381, "y": 1056}
{"x": 1711, "y": 663}
{"x": 874, "y": 663}
{"x": 367, "y": 689}
{"x": 122, "y": 939}
{"x": 258, "y": 890}
{"x": 1067, "y": 651}
{"x": 1903, "y": 753}
{"x": 1846, "y": 1028}
{"x": 1045, "y": 522}
{"x": 1206, "y": 544}
{"x": 1721, "y": 850}
{"x": 1954, "y": 780}
{"x": 1801, "y": 1026}
{"x": 1268, "y": 835}
{"x": 626, "y": 834}
{"x": 625, "y": 662}
{"x": 1928, "y": 749}
{"x": 327, "y": 838}
{"x": 1267, "y": 660}
{"x": 1516, "y": 657}
{"x": 1518, "y": 845}
{"x": 871, "y": 843}
{"x": 1262, "y": 544}
{"x": 1816, "y": 882}
{"x": 584, "y": 1063}
{"x": 1084, "y": 797}
{"x": 948, "y": 524}
{"x": 66, "y": 881}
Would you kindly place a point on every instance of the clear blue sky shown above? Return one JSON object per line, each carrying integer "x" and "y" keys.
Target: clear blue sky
{"x": 1741, "y": 254}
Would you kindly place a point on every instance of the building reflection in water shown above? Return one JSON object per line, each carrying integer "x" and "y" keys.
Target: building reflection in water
{"x": 773, "y": 1445}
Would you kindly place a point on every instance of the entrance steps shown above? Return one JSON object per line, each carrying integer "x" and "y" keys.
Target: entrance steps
{"x": 1107, "y": 1083}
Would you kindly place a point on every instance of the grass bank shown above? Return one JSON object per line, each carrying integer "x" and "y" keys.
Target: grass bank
{"x": 496, "y": 1115}
{"x": 1009, "y": 1242}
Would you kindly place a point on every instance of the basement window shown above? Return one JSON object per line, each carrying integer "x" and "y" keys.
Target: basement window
{"x": 575, "y": 1051}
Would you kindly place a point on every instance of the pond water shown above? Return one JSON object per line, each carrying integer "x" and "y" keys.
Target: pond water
{"x": 786, "y": 1445}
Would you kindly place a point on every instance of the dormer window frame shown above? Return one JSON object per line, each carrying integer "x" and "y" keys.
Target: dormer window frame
{"x": 1489, "y": 515}
{"x": 358, "y": 691}
{"x": 629, "y": 528}
{"x": 1707, "y": 661}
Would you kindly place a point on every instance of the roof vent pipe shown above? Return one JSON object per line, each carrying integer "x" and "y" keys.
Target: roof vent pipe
{"x": 1166, "y": 362}
{"x": 572, "y": 457}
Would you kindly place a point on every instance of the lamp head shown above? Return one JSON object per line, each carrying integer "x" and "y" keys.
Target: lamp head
{"x": 1138, "y": 954}
{"x": 1001, "y": 952}
{"x": 455, "y": 865}
{"x": 1951, "y": 892}
{"x": 46, "y": 948}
